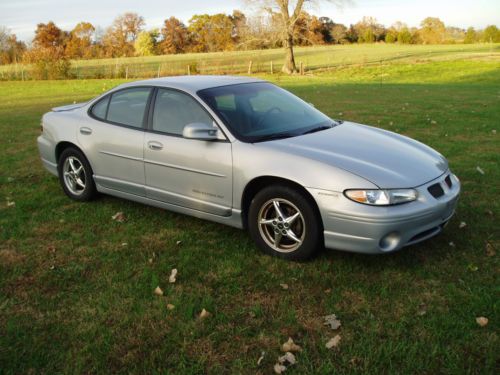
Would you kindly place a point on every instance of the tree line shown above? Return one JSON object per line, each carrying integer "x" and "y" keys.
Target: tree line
{"x": 52, "y": 47}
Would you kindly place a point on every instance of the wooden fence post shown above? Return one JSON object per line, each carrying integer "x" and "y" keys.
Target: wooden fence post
{"x": 159, "y": 68}
{"x": 250, "y": 67}
{"x": 189, "y": 69}
{"x": 301, "y": 68}
{"x": 126, "y": 72}
{"x": 272, "y": 70}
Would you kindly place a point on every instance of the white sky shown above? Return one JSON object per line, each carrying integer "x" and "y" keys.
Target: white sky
{"x": 21, "y": 16}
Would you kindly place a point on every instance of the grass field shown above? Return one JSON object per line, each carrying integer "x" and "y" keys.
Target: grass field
{"x": 76, "y": 287}
{"x": 237, "y": 62}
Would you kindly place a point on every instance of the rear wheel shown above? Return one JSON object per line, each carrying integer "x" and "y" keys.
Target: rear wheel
{"x": 75, "y": 175}
{"x": 284, "y": 223}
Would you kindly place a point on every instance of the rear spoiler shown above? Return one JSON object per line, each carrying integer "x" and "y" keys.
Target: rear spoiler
{"x": 69, "y": 107}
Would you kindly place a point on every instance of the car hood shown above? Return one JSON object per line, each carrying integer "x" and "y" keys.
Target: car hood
{"x": 386, "y": 159}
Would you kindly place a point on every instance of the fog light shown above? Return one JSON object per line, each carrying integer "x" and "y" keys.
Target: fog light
{"x": 390, "y": 241}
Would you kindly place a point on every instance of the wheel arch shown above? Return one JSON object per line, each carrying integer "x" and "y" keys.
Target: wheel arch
{"x": 258, "y": 183}
{"x": 63, "y": 145}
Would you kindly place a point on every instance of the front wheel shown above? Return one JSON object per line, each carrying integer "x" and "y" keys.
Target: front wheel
{"x": 284, "y": 223}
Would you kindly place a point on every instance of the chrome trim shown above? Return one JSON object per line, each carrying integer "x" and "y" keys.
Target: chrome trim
{"x": 120, "y": 155}
{"x": 184, "y": 168}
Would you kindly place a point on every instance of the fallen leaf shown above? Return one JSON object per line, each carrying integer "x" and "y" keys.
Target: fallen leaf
{"x": 472, "y": 267}
{"x": 11, "y": 204}
{"x": 170, "y": 306}
{"x": 422, "y": 309}
{"x": 452, "y": 244}
{"x": 124, "y": 244}
{"x": 463, "y": 224}
{"x": 288, "y": 359}
{"x": 178, "y": 243}
{"x": 279, "y": 369}
{"x": 284, "y": 286}
{"x": 479, "y": 170}
{"x": 150, "y": 260}
{"x": 482, "y": 321}
{"x": 332, "y": 321}
{"x": 290, "y": 346}
{"x": 158, "y": 291}
{"x": 328, "y": 291}
{"x": 204, "y": 314}
{"x": 490, "y": 251}
{"x": 52, "y": 267}
{"x": 261, "y": 358}
{"x": 10, "y": 179}
{"x": 173, "y": 274}
{"x": 119, "y": 217}
{"x": 433, "y": 122}
{"x": 333, "y": 342}
{"x": 494, "y": 131}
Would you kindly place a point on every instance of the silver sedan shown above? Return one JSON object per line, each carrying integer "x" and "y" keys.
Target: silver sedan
{"x": 246, "y": 153}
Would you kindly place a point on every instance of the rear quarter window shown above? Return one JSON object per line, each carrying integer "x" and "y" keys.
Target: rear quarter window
{"x": 99, "y": 109}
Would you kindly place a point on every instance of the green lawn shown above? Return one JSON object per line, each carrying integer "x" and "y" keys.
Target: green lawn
{"x": 76, "y": 287}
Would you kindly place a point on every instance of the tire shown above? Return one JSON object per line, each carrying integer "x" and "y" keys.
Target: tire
{"x": 296, "y": 225}
{"x": 75, "y": 175}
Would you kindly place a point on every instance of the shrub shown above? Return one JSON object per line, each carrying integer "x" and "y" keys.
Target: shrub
{"x": 48, "y": 63}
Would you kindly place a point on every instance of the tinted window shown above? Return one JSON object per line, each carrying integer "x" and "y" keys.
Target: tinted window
{"x": 127, "y": 106}
{"x": 259, "y": 111}
{"x": 99, "y": 109}
{"x": 173, "y": 110}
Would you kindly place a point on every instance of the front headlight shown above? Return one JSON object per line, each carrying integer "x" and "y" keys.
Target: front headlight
{"x": 382, "y": 197}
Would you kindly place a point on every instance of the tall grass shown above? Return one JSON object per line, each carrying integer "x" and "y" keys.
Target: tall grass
{"x": 263, "y": 61}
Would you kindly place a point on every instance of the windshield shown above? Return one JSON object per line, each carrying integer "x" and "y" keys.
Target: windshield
{"x": 261, "y": 111}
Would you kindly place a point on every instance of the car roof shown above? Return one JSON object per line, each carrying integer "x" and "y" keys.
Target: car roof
{"x": 193, "y": 83}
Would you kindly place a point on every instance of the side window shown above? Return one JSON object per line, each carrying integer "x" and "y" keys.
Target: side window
{"x": 173, "y": 110}
{"x": 99, "y": 109}
{"x": 127, "y": 106}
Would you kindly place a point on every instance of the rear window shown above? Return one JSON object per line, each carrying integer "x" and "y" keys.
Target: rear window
{"x": 127, "y": 106}
{"x": 124, "y": 107}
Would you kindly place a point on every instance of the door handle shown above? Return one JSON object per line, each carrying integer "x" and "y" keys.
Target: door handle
{"x": 86, "y": 131}
{"x": 154, "y": 145}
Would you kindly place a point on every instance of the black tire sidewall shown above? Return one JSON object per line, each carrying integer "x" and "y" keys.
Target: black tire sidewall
{"x": 313, "y": 240}
{"x": 90, "y": 189}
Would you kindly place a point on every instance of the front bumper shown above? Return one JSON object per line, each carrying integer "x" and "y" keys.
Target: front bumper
{"x": 361, "y": 228}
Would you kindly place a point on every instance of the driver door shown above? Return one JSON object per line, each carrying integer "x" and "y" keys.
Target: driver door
{"x": 190, "y": 173}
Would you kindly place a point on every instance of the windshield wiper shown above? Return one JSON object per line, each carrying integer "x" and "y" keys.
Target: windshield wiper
{"x": 272, "y": 137}
{"x": 318, "y": 128}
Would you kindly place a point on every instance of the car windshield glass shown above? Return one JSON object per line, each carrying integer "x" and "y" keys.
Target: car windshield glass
{"x": 261, "y": 111}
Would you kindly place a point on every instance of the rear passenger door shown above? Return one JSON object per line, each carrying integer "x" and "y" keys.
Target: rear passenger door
{"x": 113, "y": 138}
{"x": 190, "y": 173}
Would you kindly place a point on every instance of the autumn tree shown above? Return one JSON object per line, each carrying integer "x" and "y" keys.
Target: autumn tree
{"x": 470, "y": 36}
{"x": 146, "y": 43}
{"x": 80, "y": 41}
{"x": 289, "y": 11}
{"x": 369, "y": 30}
{"x": 211, "y": 32}
{"x": 175, "y": 36}
{"x": 491, "y": 34}
{"x": 120, "y": 37}
{"x": 338, "y": 33}
{"x": 48, "y": 36}
{"x": 11, "y": 49}
{"x": 432, "y": 30}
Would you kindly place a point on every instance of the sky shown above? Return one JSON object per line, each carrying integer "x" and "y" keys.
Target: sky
{"x": 22, "y": 16}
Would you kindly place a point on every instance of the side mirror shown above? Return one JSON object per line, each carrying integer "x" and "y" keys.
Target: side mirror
{"x": 201, "y": 131}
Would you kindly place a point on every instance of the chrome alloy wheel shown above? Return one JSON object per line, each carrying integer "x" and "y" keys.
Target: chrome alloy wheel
{"x": 281, "y": 225}
{"x": 74, "y": 175}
